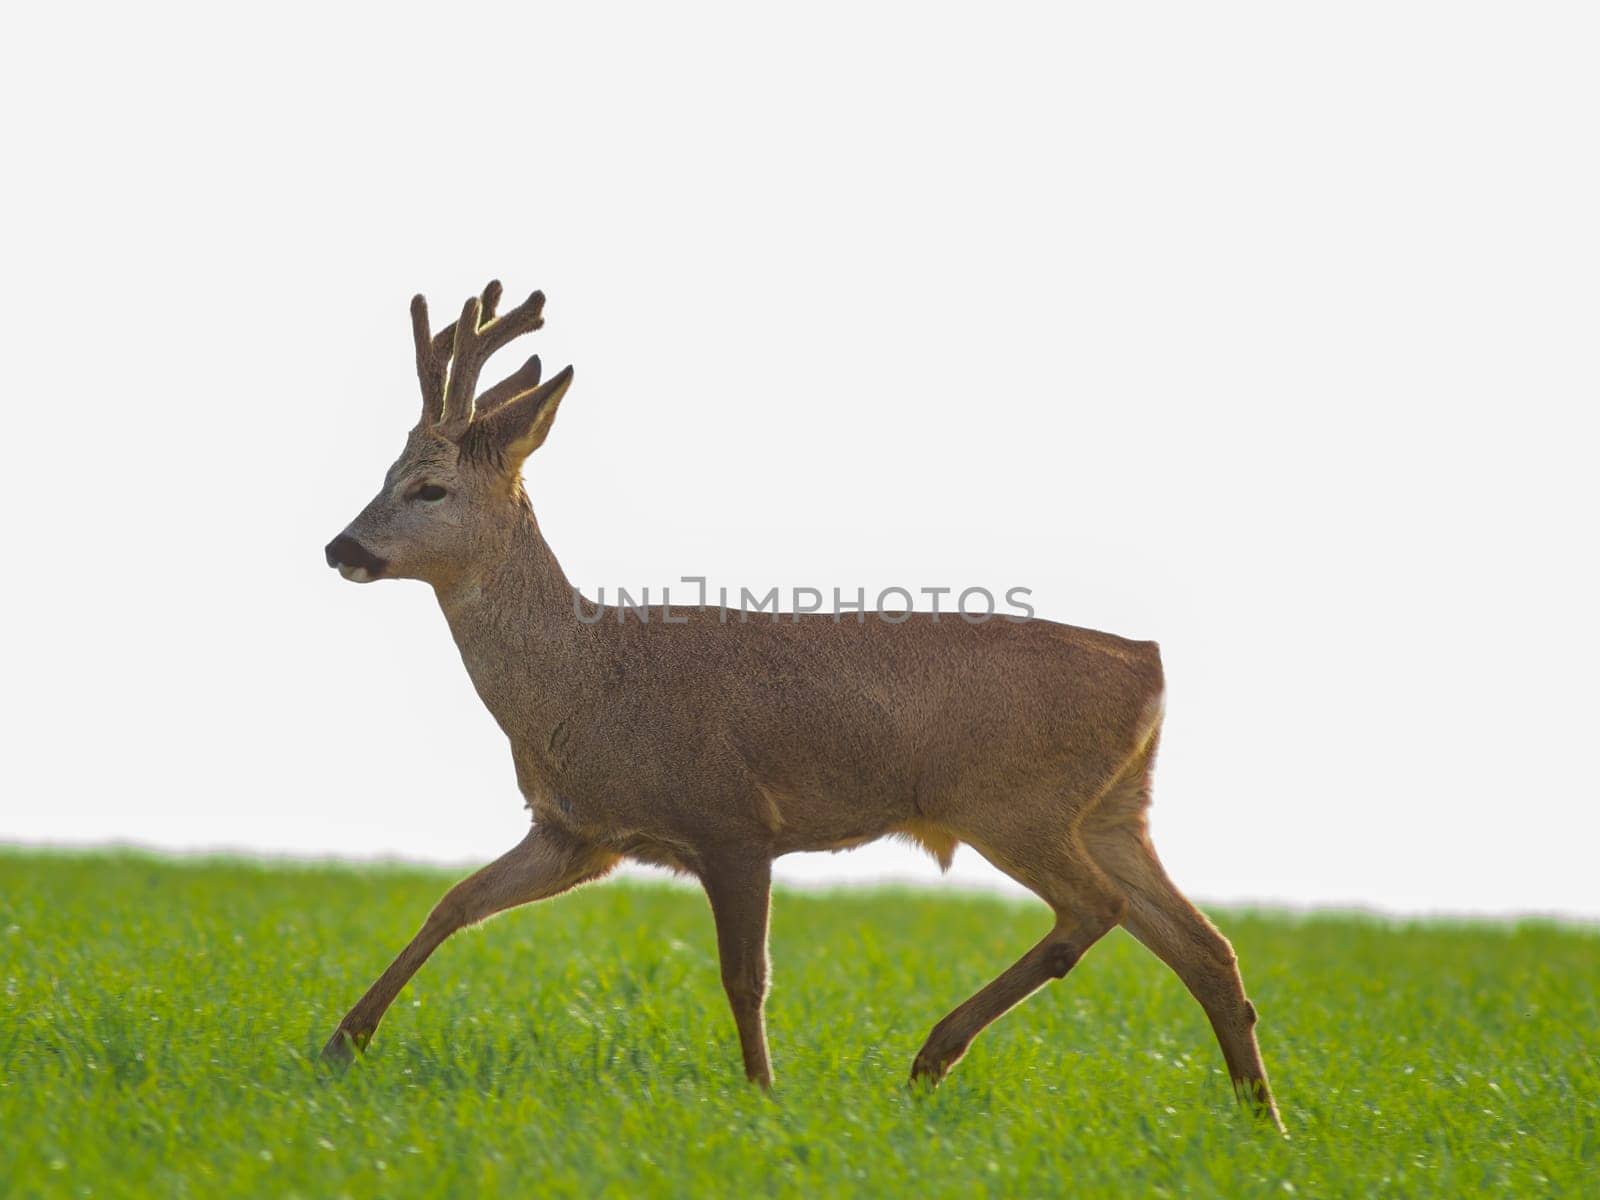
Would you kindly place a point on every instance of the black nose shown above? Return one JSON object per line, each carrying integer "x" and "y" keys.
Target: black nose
{"x": 345, "y": 551}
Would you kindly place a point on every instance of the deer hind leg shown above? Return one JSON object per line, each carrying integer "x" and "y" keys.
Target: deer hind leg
{"x": 1087, "y": 906}
{"x": 1162, "y": 918}
{"x": 545, "y": 863}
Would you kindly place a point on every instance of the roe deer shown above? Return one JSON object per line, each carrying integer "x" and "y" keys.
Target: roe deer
{"x": 713, "y": 747}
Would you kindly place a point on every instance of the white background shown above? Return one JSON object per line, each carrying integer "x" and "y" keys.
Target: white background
{"x": 1265, "y": 332}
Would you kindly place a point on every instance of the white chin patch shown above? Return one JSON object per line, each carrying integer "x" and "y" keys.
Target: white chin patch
{"x": 356, "y": 574}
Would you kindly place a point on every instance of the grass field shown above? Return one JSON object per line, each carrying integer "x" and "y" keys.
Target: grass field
{"x": 161, "y": 1022}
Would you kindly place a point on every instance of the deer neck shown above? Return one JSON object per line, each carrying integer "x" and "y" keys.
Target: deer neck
{"x": 513, "y": 621}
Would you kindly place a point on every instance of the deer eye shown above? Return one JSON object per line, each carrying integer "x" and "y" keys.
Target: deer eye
{"x": 430, "y": 492}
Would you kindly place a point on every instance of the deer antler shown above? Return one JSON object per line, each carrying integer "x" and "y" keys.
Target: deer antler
{"x": 433, "y": 351}
{"x": 449, "y": 361}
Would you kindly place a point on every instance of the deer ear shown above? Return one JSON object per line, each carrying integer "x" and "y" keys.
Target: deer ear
{"x": 518, "y": 427}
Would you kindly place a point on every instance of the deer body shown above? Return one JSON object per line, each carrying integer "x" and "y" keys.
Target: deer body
{"x": 713, "y": 743}
{"x": 789, "y": 733}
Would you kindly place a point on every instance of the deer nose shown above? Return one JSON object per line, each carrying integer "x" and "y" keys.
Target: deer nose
{"x": 352, "y": 559}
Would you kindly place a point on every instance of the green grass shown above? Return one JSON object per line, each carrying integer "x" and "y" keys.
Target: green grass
{"x": 160, "y": 1023}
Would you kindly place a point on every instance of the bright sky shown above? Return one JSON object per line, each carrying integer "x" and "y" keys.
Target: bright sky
{"x": 1263, "y": 331}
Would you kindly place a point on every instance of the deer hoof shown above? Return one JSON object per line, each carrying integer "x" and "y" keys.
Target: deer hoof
{"x": 342, "y": 1046}
{"x": 926, "y": 1072}
{"x": 1255, "y": 1097}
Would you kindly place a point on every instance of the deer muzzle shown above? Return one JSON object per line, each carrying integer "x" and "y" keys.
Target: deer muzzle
{"x": 353, "y": 560}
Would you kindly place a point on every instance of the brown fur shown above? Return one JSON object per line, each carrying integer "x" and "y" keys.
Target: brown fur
{"x": 714, "y": 746}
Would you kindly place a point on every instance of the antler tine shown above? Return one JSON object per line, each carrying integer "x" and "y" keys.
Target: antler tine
{"x": 475, "y": 340}
{"x": 444, "y": 341}
{"x": 524, "y": 379}
{"x": 431, "y": 365}
{"x": 524, "y": 318}
{"x": 463, "y": 377}
{"x": 491, "y": 298}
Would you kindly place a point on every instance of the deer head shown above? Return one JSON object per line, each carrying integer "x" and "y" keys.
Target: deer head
{"x": 454, "y": 496}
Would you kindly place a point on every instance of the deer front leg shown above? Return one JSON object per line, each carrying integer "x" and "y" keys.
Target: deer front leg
{"x": 740, "y": 889}
{"x": 545, "y": 863}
